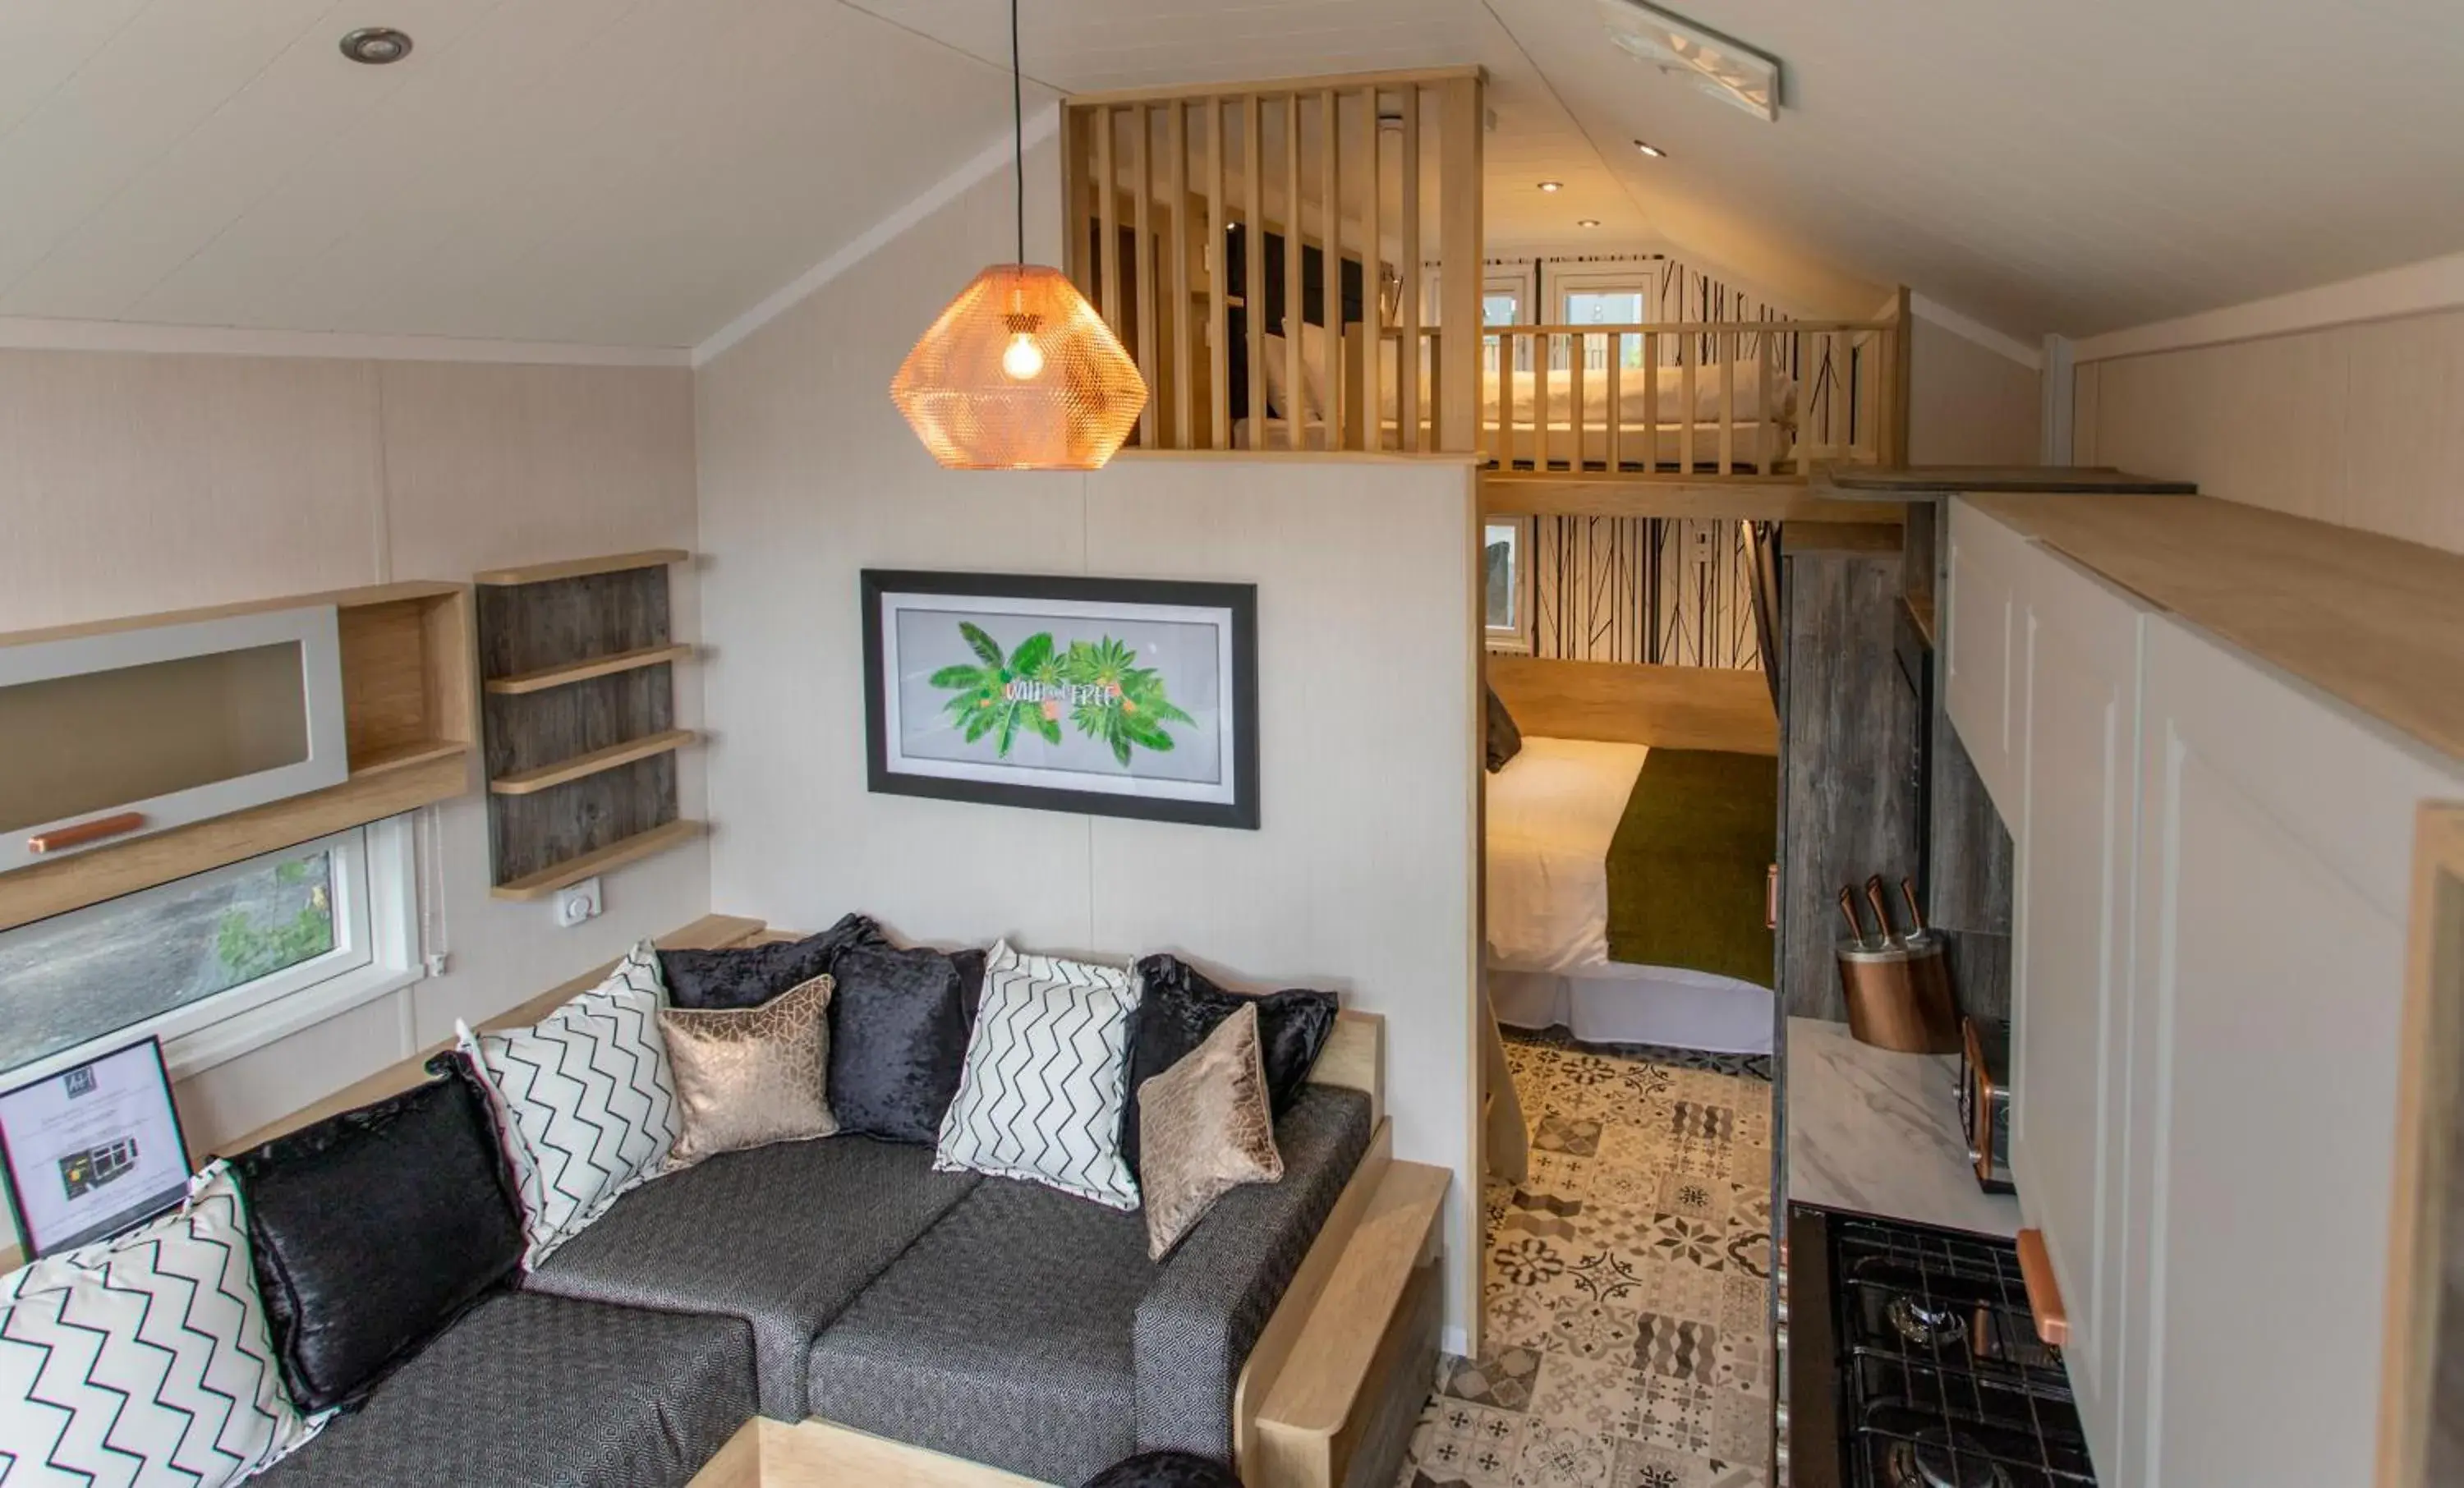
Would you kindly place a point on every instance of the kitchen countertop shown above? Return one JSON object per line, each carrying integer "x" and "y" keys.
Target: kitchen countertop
{"x": 1878, "y": 1132}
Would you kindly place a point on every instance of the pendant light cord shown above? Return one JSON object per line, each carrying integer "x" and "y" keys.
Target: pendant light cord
{"x": 1018, "y": 128}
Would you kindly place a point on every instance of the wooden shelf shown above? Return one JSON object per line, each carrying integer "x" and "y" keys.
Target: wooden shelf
{"x": 403, "y": 756}
{"x": 527, "y": 781}
{"x": 580, "y": 568}
{"x": 615, "y": 855}
{"x": 582, "y": 671}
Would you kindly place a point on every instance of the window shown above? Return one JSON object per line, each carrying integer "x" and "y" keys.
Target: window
{"x": 1506, "y": 619}
{"x": 216, "y": 964}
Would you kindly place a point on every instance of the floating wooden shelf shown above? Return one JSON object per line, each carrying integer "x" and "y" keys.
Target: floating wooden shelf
{"x": 580, "y": 568}
{"x": 582, "y": 671}
{"x": 527, "y": 781}
{"x": 615, "y": 855}
{"x": 579, "y": 717}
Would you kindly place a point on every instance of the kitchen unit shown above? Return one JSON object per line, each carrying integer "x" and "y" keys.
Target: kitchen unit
{"x": 2209, "y": 727}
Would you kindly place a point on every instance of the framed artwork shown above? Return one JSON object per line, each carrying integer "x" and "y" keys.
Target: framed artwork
{"x": 1120, "y": 697}
{"x": 92, "y": 1149}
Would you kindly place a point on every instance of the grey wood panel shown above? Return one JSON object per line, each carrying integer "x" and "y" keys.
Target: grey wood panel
{"x": 539, "y": 831}
{"x": 528, "y": 729}
{"x": 529, "y": 627}
{"x": 1849, "y": 736}
{"x": 1980, "y": 972}
{"x": 1971, "y": 861}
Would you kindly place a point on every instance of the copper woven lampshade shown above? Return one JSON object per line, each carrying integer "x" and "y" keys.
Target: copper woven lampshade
{"x": 1020, "y": 373}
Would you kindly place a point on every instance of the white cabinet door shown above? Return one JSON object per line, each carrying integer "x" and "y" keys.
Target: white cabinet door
{"x": 2275, "y": 835}
{"x": 2080, "y": 649}
{"x": 1980, "y": 654}
{"x": 114, "y": 734}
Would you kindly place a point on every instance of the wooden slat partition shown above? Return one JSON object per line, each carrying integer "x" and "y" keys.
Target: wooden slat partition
{"x": 1155, "y": 222}
{"x": 1808, "y": 390}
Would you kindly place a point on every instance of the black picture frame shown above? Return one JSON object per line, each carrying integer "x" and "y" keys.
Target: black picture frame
{"x": 1238, "y": 603}
{"x": 156, "y": 1118}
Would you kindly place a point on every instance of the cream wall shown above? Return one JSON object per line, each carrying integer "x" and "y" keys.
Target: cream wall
{"x": 1968, "y": 404}
{"x": 1362, "y": 877}
{"x": 2357, "y": 425}
{"x": 134, "y": 483}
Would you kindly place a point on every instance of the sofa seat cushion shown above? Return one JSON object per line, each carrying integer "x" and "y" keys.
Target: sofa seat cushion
{"x": 1030, "y": 1330}
{"x": 529, "y": 1391}
{"x": 783, "y": 1237}
{"x": 1004, "y": 1336}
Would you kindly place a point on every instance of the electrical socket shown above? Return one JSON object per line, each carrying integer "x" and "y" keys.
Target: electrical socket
{"x": 579, "y": 903}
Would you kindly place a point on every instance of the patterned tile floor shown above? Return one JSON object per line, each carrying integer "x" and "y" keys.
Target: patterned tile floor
{"x": 1627, "y": 1282}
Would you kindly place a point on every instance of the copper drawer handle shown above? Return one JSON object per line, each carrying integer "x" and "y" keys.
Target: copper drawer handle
{"x": 2044, "y": 1292}
{"x": 61, "y": 838}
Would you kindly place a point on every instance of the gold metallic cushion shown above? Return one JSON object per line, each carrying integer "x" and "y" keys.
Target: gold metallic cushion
{"x": 748, "y": 1077}
{"x": 1205, "y": 1127}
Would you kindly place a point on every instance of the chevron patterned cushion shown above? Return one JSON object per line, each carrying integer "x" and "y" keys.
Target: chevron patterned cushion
{"x": 585, "y": 1100}
{"x": 143, "y": 1359}
{"x": 1045, "y": 1078}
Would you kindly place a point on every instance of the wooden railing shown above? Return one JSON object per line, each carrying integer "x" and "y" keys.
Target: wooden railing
{"x": 1183, "y": 207}
{"x": 1693, "y": 399}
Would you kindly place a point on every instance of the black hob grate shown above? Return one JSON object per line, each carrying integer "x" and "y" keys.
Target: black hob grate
{"x": 1942, "y": 1381}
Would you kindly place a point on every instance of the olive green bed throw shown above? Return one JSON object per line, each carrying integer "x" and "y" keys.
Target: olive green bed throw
{"x": 1689, "y": 864}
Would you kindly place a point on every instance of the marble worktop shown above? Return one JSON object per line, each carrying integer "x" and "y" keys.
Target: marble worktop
{"x": 1878, "y": 1132}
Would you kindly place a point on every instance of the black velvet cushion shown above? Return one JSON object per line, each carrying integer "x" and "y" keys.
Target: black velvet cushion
{"x": 1505, "y": 739}
{"x": 1182, "y": 1006}
{"x": 375, "y": 1229}
{"x": 1166, "y": 1470}
{"x": 746, "y": 976}
{"x": 899, "y": 1021}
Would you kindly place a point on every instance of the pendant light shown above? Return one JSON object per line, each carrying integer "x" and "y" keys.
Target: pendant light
{"x": 1020, "y": 373}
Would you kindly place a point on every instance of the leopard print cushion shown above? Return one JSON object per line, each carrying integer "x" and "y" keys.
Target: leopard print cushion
{"x": 748, "y": 1077}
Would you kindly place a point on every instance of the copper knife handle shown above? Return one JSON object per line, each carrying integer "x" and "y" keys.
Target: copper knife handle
{"x": 1916, "y": 915}
{"x": 1848, "y": 907}
{"x": 1881, "y": 910}
{"x": 61, "y": 838}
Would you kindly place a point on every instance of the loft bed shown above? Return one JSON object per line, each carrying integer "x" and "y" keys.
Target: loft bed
{"x": 1628, "y": 851}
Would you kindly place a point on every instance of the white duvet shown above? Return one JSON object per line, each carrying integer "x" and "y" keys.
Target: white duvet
{"x": 1553, "y": 813}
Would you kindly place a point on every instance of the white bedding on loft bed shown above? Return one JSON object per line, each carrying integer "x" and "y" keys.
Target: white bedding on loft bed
{"x": 1553, "y": 813}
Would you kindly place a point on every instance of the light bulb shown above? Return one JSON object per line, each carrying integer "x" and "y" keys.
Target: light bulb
{"x": 1022, "y": 360}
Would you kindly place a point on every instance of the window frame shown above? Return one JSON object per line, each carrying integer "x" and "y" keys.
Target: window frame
{"x": 376, "y": 952}
{"x": 1514, "y": 638}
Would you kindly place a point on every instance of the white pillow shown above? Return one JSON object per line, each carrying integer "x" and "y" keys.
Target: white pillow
{"x": 143, "y": 1359}
{"x": 1045, "y": 1078}
{"x": 586, "y": 1100}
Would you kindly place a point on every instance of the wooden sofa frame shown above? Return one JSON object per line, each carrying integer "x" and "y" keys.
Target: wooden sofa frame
{"x": 1331, "y": 1390}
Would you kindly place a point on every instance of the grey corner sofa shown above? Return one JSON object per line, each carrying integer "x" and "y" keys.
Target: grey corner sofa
{"x": 991, "y": 1318}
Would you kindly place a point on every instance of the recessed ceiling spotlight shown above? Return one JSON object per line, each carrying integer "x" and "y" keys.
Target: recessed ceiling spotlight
{"x": 1587, "y": 222}
{"x": 1651, "y": 149}
{"x": 1553, "y": 186}
{"x": 376, "y": 45}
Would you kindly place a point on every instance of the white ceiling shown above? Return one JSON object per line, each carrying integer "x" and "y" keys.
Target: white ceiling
{"x": 640, "y": 172}
{"x": 624, "y": 172}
